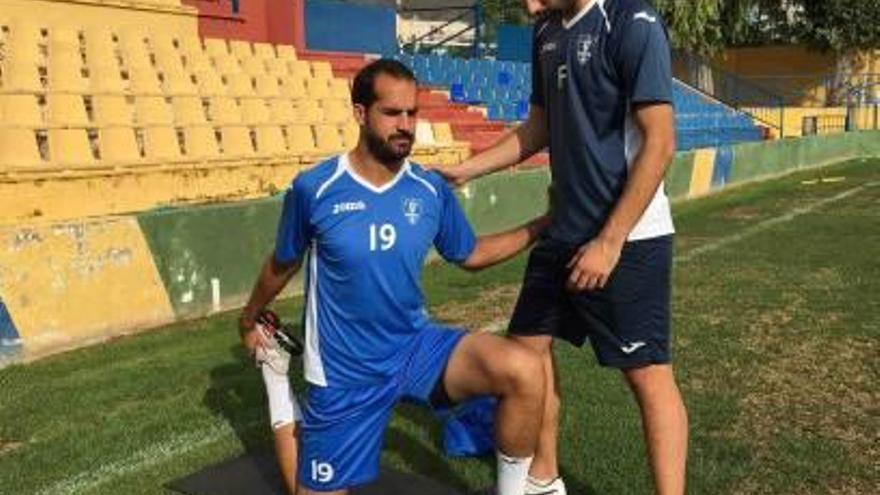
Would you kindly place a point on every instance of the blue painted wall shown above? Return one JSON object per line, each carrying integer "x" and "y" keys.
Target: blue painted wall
{"x": 349, "y": 27}
{"x": 515, "y": 43}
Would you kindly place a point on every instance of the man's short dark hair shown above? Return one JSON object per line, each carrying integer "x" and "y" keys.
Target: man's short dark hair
{"x": 363, "y": 90}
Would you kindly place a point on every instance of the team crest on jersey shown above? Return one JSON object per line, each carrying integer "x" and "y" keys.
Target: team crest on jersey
{"x": 412, "y": 210}
{"x": 584, "y": 48}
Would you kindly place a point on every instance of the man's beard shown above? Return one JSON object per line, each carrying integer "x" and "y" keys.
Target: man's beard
{"x": 383, "y": 150}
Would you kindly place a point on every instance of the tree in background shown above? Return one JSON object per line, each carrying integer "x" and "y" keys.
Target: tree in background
{"x": 706, "y": 26}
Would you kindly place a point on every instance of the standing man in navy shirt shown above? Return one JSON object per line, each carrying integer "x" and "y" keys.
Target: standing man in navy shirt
{"x": 602, "y": 102}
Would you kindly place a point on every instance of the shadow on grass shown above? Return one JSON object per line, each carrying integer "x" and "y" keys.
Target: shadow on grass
{"x": 236, "y": 394}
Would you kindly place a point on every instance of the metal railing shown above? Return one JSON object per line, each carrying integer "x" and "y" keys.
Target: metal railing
{"x": 731, "y": 90}
{"x": 445, "y": 18}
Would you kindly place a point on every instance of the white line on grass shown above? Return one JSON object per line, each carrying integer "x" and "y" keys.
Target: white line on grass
{"x": 87, "y": 481}
{"x": 769, "y": 223}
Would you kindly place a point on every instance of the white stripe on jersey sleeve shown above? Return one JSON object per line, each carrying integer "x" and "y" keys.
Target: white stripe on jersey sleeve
{"x": 314, "y": 367}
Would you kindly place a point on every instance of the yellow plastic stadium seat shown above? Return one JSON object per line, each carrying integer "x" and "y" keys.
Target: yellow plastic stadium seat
{"x": 267, "y": 86}
{"x": 336, "y": 111}
{"x": 22, "y": 110}
{"x": 100, "y": 50}
{"x": 216, "y": 46}
{"x": 143, "y": 81}
{"x": 424, "y": 134}
{"x": 236, "y": 141}
{"x": 188, "y": 110}
{"x": 134, "y": 51}
{"x": 118, "y": 144}
{"x": 241, "y": 49}
{"x": 308, "y": 112}
{"x": 322, "y": 70}
{"x": 18, "y": 147}
{"x": 191, "y": 46}
{"x": 65, "y": 75}
{"x": 240, "y": 84}
{"x": 22, "y": 75}
{"x": 253, "y": 66}
{"x": 198, "y": 63}
{"x": 112, "y": 110}
{"x": 277, "y": 67}
{"x": 227, "y": 65}
{"x": 25, "y": 38}
{"x": 66, "y": 110}
{"x": 282, "y": 111}
{"x": 328, "y": 138}
{"x": 264, "y": 51}
{"x": 339, "y": 89}
{"x": 169, "y": 61}
{"x": 210, "y": 83}
{"x": 301, "y": 139}
{"x": 350, "y": 134}
{"x": 106, "y": 78}
{"x": 178, "y": 83}
{"x": 293, "y": 87}
{"x": 223, "y": 110}
{"x": 201, "y": 142}
{"x": 299, "y": 68}
{"x": 443, "y": 133}
{"x": 70, "y": 147}
{"x": 254, "y": 111}
{"x": 318, "y": 89}
{"x": 64, "y": 39}
{"x": 160, "y": 143}
{"x": 152, "y": 110}
{"x": 286, "y": 52}
{"x": 270, "y": 140}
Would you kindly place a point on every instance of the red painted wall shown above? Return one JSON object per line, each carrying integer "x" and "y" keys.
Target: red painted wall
{"x": 273, "y": 21}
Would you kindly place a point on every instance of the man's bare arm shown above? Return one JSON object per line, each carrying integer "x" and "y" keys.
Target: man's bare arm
{"x": 496, "y": 248}
{"x": 595, "y": 261}
{"x": 515, "y": 146}
{"x": 271, "y": 281}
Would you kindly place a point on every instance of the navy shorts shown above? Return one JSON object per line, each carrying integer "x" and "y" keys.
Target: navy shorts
{"x": 343, "y": 428}
{"x": 627, "y": 322}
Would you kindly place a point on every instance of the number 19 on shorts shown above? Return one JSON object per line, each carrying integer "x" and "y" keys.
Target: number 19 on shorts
{"x": 322, "y": 472}
{"x": 382, "y": 237}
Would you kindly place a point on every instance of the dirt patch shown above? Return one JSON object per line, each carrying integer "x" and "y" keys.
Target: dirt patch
{"x": 742, "y": 213}
{"x": 7, "y": 447}
{"x": 484, "y": 313}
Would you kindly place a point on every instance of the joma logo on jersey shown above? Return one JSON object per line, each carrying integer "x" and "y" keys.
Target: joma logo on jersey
{"x": 412, "y": 210}
{"x": 548, "y": 47}
{"x": 349, "y": 207}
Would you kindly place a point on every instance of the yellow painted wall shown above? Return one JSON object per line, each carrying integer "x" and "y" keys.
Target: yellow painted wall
{"x": 68, "y": 284}
{"x": 803, "y": 70}
{"x": 701, "y": 178}
{"x": 794, "y": 117}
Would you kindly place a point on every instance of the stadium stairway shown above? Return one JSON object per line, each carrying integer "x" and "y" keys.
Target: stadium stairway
{"x": 469, "y": 123}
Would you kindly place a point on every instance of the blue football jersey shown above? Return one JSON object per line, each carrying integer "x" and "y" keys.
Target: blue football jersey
{"x": 366, "y": 248}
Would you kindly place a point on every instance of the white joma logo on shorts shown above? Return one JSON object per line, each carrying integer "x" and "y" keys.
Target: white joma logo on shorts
{"x": 631, "y": 348}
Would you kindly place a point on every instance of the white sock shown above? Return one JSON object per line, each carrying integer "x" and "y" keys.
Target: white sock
{"x": 539, "y": 481}
{"x": 512, "y": 473}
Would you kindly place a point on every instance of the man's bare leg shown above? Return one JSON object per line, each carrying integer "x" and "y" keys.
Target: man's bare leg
{"x": 485, "y": 364}
{"x": 665, "y": 423}
{"x": 285, "y": 453}
{"x": 545, "y": 466}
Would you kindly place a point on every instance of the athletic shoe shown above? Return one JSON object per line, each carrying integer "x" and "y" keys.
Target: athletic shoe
{"x": 555, "y": 487}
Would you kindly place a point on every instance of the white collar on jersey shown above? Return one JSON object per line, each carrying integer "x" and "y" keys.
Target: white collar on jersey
{"x": 345, "y": 164}
{"x": 584, "y": 11}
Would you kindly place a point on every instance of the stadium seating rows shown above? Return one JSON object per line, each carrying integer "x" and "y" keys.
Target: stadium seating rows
{"x": 74, "y": 97}
{"x": 504, "y": 88}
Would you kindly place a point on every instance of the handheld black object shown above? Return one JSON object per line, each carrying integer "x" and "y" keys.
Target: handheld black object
{"x": 283, "y": 333}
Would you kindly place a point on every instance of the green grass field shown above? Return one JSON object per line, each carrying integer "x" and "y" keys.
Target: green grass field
{"x": 776, "y": 323}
